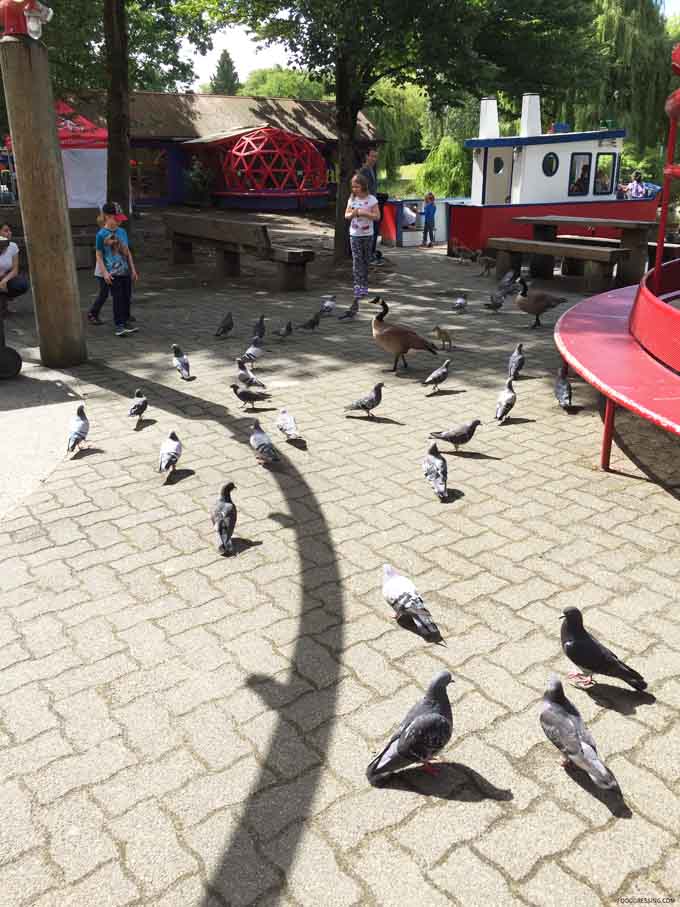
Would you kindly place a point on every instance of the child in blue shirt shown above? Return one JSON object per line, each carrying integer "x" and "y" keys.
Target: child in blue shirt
{"x": 429, "y": 211}
{"x": 116, "y": 266}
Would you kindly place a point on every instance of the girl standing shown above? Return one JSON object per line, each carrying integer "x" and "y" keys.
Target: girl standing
{"x": 362, "y": 210}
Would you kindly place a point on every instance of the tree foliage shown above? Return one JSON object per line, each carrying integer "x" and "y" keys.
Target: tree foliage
{"x": 447, "y": 170}
{"x": 396, "y": 114}
{"x": 280, "y": 82}
{"x": 225, "y": 78}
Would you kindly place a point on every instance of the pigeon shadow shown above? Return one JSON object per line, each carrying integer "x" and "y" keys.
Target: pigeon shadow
{"x": 472, "y": 455}
{"x": 190, "y": 378}
{"x": 298, "y": 443}
{"x": 449, "y": 392}
{"x": 260, "y": 409}
{"x": 573, "y": 410}
{"x": 626, "y": 702}
{"x": 283, "y": 519}
{"x": 377, "y": 420}
{"x": 453, "y": 494}
{"x": 144, "y": 423}
{"x": 517, "y": 420}
{"x": 83, "y": 452}
{"x": 612, "y": 799}
{"x": 240, "y": 545}
{"x": 453, "y": 781}
{"x": 178, "y": 475}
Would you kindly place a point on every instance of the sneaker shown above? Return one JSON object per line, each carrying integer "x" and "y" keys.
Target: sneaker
{"x": 123, "y": 331}
{"x": 94, "y": 319}
{"x": 429, "y": 245}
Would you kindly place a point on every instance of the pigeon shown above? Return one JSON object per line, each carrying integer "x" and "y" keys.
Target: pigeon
{"x": 78, "y": 430}
{"x": 327, "y": 305}
{"x": 495, "y": 302}
{"x": 171, "y": 451}
{"x": 504, "y": 288}
{"x": 286, "y": 330}
{"x": 139, "y": 405}
{"x": 259, "y": 329}
{"x": 563, "y": 388}
{"x": 589, "y": 654}
{"x": 486, "y": 263}
{"x": 287, "y": 425}
{"x": 246, "y": 396}
{"x": 458, "y": 435}
{"x": 351, "y": 311}
{"x": 253, "y": 353}
{"x": 223, "y": 516}
{"x": 311, "y": 323}
{"x": 369, "y": 402}
{"x": 438, "y": 376}
{"x": 180, "y": 362}
{"x": 400, "y": 593}
{"x": 435, "y": 471}
{"x": 225, "y": 326}
{"x": 424, "y": 732}
{"x": 516, "y": 362}
{"x": 265, "y": 452}
{"x": 246, "y": 377}
{"x": 460, "y": 303}
{"x": 506, "y": 282}
{"x": 257, "y": 341}
{"x": 563, "y": 726}
{"x": 506, "y": 400}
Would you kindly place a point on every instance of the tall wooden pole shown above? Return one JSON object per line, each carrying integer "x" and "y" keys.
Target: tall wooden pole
{"x": 118, "y": 104}
{"x": 42, "y": 196}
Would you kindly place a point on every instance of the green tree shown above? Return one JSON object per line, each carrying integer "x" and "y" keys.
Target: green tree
{"x": 279, "y": 82}
{"x": 395, "y": 112}
{"x": 225, "y": 78}
{"x": 447, "y": 170}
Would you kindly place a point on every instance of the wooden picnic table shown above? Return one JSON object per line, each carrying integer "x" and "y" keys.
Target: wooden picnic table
{"x": 634, "y": 237}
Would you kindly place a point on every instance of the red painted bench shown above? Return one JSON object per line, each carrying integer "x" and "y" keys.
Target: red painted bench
{"x": 626, "y": 344}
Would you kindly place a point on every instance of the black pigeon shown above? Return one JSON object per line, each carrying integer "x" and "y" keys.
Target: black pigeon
{"x": 516, "y": 362}
{"x": 351, "y": 311}
{"x": 590, "y": 655}
{"x": 139, "y": 405}
{"x": 312, "y": 323}
{"x": 249, "y": 397}
{"x": 425, "y": 730}
{"x": 259, "y": 329}
{"x": 458, "y": 435}
{"x": 369, "y": 402}
{"x": 225, "y": 326}
{"x": 563, "y": 388}
{"x": 223, "y": 516}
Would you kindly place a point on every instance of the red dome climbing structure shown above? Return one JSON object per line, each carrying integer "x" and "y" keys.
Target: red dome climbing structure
{"x": 272, "y": 160}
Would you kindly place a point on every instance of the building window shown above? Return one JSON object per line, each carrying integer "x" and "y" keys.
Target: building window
{"x": 551, "y": 162}
{"x": 579, "y": 174}
{"x": 498, "y": 164}
{"x": 605, "y": 168}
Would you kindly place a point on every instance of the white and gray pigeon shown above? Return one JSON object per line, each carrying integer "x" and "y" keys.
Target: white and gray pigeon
{"x": 459, "y": 304}
{"x": 563, "y": 388}
{"x": 287, "y": 425}
{"x": 139, "y": 405}
{"x": 253, "y": 353}
{"x": 563, "y": 726}
{"x": 401, "y": 595}
{"x": 225, "y": 326}
{"x": 249, "y": 397}
{"x": 423, "y": 733}
{"x": 171, "y": 451}
{"x": 78, "y": 430}
{"x": 436, "y": 471}
{"x": 458, "y": 435}
{"x": 351, "y": 312}
{"x": 438, "y": 376}
{"x": 516, "y": 362}
{"x": 327, "y": 305}
{"x": 259, "y": 328}
{"x": 246, "y": 377}
{"x": 265, "y": 452}
{"x": 223, "y": 516}
{"x": 369, "y": 402}
{"x": 180, "y": 361}
{"x": 285, "y": 331}
{"x": 506, "y": 400}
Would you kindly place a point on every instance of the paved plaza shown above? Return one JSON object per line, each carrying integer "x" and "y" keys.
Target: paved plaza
{"x": 179, "y": 729}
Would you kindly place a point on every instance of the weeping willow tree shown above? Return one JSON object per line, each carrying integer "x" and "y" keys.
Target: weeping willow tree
{"x": 395, "y": 112}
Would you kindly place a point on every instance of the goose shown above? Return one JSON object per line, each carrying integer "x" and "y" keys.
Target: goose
{"x": 397, "y": 339}
{"x": 535, "y": 302}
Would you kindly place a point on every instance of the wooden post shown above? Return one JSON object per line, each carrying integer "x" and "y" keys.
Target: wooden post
{"x": 42, "y": 196}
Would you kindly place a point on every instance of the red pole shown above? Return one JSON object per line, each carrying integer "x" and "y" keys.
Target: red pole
{"x": 605, "y": 454}
{"x": 667, "y": 177}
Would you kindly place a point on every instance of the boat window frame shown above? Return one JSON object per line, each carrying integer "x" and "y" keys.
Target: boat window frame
{"x": 589, "y": 155}
{"x": 552, "y": 156}
{"x": 612, "y": 181}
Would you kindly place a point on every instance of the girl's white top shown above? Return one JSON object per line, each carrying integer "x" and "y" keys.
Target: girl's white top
{"x": 361, "y": 226}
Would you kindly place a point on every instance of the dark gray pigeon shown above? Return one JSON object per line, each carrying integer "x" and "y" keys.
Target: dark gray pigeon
{"x": 245, "y": 376}
{"x": 436, "y": 471}
{"x": 257, "y": 341}
{"x": 516, "y": 362}
{"x": 400, "y": 593}
{"x": 181, "y": 362}
{"x": 563, "y": 388}
{"x": 171, "y": 451}
{"x": 311, "y": 323}
{"x": 265, "y": 452}
{"x": 506, "y": 400}
{"x": 458, "y": 435}
{"x": 423, "y": 733}
{"x": 351, "y": 311}
{"x": 369, "y": 402}
{"x": 249, "y": 397}
{"x": 286, "y": 330}
{"x": 78, "y": 430}
{"x": 225, "y": 326}
{"x": 495, "y": 302}
{"x": 438, "y": 376}
{"x": 590, "y": 655}
{"x": 259, "y": 329}
{"x": 563, "y": 726}
{"x": 223, "y": 516}
{"x": 139, "y": 405}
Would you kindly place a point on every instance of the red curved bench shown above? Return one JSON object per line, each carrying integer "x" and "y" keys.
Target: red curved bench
{"x": 626, "y": 343}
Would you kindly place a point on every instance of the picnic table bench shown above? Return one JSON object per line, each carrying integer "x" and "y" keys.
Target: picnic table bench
{"x": 598, "y": 260}
{"x": 625, "y": 344}
{"x": 229, "y": 238}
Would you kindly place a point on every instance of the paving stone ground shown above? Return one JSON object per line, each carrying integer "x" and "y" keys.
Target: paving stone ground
{"x": 178, "y": 729}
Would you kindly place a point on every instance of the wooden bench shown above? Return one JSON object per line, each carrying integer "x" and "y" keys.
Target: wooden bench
{"x": 670, "y": 250}
{"x": 598, "y": 261}
{"x": 624, "y": 343}
{"x": 229, "y": 238}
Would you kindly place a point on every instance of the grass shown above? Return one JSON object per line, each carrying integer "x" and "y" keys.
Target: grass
{"x": 404, "y": 186}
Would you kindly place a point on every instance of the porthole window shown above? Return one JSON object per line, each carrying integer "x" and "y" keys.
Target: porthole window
{"x": 550, "y": 164}
{"x": 498, "y": 164}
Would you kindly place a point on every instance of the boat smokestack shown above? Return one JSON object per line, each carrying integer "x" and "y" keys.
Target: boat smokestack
{"x": 531, "y": 115}
{"x": 488, "y": 119}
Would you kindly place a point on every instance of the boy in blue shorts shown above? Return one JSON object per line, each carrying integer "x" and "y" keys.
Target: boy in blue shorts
{"x": 116, "y": 266}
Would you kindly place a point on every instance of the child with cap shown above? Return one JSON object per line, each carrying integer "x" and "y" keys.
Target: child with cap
{"x": 116, "y": 267}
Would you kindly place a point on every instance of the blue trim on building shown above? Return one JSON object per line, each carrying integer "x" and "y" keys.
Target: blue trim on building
{"x": 553, "y": 138}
